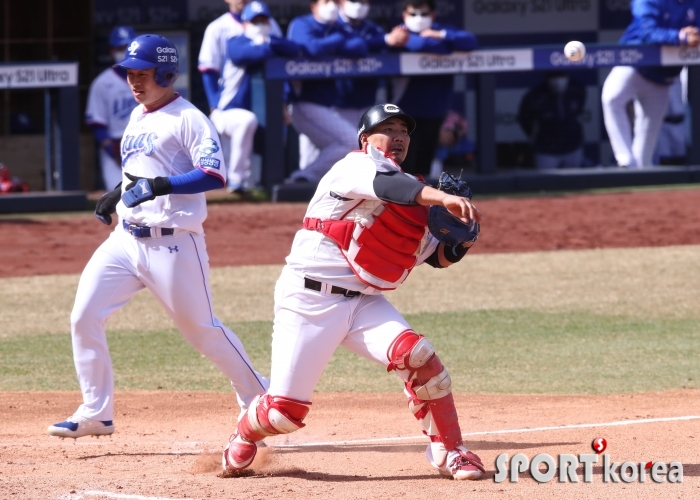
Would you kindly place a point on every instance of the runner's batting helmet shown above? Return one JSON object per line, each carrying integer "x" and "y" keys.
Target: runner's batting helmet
{"x": 379, "y": 113}
{"x": 153, "y": 51}
{"x": 121, "y": 36}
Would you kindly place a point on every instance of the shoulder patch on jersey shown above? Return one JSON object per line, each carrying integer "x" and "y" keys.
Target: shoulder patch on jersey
{"x": 209, "y": 162}
{"x": 208, "y": 146}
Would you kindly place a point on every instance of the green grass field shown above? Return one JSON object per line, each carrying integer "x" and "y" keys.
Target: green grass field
{"x": 598, "y": 321}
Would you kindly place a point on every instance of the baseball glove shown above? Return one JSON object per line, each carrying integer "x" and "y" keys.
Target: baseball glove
{"x": 447, "y": 228}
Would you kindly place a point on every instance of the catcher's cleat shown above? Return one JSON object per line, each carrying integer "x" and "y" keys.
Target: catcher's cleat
{"x": 462, "y": 464}
{"x": 75, "y": 427}
{"x": 239, "y": 453}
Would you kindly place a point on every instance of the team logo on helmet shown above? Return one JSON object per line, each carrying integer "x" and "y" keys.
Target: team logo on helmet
{"x": 256, "y": 7}
{"x": 132, "y": 48}
{"x": 391, "y": 108}
{"x": 208, "y": 146}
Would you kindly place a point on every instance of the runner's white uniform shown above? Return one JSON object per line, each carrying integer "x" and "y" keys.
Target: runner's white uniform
{"x": 309, "y": 325}
{"x": 171, "y": 140}
{"x": 236, "y": 125}
{"x": 110, "y": 103}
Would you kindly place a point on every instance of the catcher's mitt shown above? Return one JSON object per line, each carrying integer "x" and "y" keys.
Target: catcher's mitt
{"x": 447, "y": 228}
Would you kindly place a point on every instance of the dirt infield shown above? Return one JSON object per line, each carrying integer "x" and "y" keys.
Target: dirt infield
{"x": 240, "y": 234}
{"x": 169, "y": 446}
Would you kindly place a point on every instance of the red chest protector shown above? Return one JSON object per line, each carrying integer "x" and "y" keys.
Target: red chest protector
{"x": 383, "y": 246}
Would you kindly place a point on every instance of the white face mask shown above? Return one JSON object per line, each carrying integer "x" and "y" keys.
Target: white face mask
{"x": 417, "y": 24}
{"x": 356, "y": 10}
{"x": 559, "y": 84}
{"x": 328, "y": 12}
{"x": 119, "y": 56}
{"x": 257, "y": 31}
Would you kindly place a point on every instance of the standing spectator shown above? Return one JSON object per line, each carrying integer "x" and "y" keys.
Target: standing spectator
{"x": 222, "y": 83}
{"x": 312, "y": 107}
{"x": 109, "y": 106}
{"x": 356, "y": 95}
{"x": 427, "y": 98}
{"x": 663, "y": 22}
{"x": 671, "y": 146}
{"x": 550, "y": 116}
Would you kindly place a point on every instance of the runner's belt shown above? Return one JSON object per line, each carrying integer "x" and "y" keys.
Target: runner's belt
{"x": 146, "y": 232}
{"x": 318, "y": 286}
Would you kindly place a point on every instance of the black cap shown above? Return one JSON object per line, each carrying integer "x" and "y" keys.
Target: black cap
{"x": 379, "y": 113}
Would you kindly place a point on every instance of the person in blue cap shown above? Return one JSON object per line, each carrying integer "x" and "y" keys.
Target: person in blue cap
{"x": 109, "y": 106}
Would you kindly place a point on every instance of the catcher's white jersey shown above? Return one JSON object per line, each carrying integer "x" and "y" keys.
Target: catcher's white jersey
{"x": 110, "y": 103}
{"x": 171, "y": 140}
{"x": 212, "y": 55}
{"x": 347, "y": 188}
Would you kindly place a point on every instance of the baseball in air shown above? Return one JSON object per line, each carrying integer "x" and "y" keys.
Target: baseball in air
{"x": 574, "y": 51}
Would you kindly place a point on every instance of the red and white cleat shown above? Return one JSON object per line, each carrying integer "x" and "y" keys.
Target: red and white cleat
{"x": 462, "y": 464}
{"x": 238, "y": 454}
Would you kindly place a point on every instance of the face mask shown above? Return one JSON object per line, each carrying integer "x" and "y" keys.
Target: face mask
{"x": 328, "y": 12}
{"x": 356, "y": 10}
{"x": 558, "y": 84}
{"x": 257, "y": 31}
{"x": 417, "y": 24}
{"x": 119, "y": 56}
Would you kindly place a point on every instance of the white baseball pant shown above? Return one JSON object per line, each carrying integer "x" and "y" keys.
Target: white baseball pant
{"x": 308, "y": 152}
{"x": 309, "y": 326}
{"x": 237, "y": 130}
{"x": 176, "y": 270}
{"x": 625, "y": 84}
{"x": 111, "y": 170}
{"x": 334, "y": 136}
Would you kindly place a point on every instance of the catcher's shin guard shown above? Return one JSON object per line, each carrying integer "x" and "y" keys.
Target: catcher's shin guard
{"x": 266, "y": 416}
{"x": 429, "y": 391}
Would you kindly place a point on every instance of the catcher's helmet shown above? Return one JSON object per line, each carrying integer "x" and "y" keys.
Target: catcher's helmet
{"x": 153, "y": 51}
{"x": 377, "y": 114}
{"x": 121, "y": 36}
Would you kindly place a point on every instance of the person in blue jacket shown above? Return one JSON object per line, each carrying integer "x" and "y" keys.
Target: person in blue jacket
{"x": 663, "y": 22}
{"x": 313, "y": 103}
{"x": 427, "y": 98}
{"x": 356, "y": 95}
{"x": 250, "y": 50}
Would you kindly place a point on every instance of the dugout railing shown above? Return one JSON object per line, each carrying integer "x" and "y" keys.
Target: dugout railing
{"x": 483, "y": 65}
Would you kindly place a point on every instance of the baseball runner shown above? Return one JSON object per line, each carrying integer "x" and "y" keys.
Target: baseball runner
{"x": 171, "y": 155}
{"x": 664, "y": 22}
{"x": 222, "y": 84}
{"x": 109, "y": 106}
{"x": 364, "y": 231}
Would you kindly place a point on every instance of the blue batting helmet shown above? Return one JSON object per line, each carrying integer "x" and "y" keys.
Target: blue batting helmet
{"x": 121, "y": 36}
{"x": 153, "y": 51}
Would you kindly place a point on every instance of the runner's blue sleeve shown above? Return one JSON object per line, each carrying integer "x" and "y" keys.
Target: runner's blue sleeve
{"x": 196, "y": 181}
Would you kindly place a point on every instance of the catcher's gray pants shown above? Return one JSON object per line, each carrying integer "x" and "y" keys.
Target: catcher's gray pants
{"x": 176, "y": 270}
{"x": 625, "y": 84}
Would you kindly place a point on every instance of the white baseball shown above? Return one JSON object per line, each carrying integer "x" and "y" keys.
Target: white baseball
{"x": 574, "y": 51}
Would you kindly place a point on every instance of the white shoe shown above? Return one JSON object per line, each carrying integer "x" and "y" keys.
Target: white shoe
{"x": 75, "y": 427}
{"x": 460, "y": 464}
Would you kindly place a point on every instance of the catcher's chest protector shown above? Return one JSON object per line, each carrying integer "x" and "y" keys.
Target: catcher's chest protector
{"x": 381, "y": 246}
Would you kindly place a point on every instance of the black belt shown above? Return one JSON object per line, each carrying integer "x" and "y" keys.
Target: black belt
{"x": 317, "y": 285}
{"x": 144, "y": 231}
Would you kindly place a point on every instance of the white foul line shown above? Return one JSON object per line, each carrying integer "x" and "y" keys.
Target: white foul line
{"x": 487, "y": 433}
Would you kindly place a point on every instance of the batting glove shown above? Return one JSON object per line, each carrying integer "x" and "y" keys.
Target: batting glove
{"x": 107, "y": 205}
{"x": 144, "y": 189}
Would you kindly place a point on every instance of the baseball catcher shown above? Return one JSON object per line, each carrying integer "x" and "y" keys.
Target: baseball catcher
{"x": 364, "y": 231}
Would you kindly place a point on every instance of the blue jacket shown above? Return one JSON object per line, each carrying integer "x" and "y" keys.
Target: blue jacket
{"x": 361, "y": 92}
{"x": 243, "y": 53}
{"x": 430, "y": 96}
{"x": 320, "y": 39}
{"x": 658, "y": 22}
